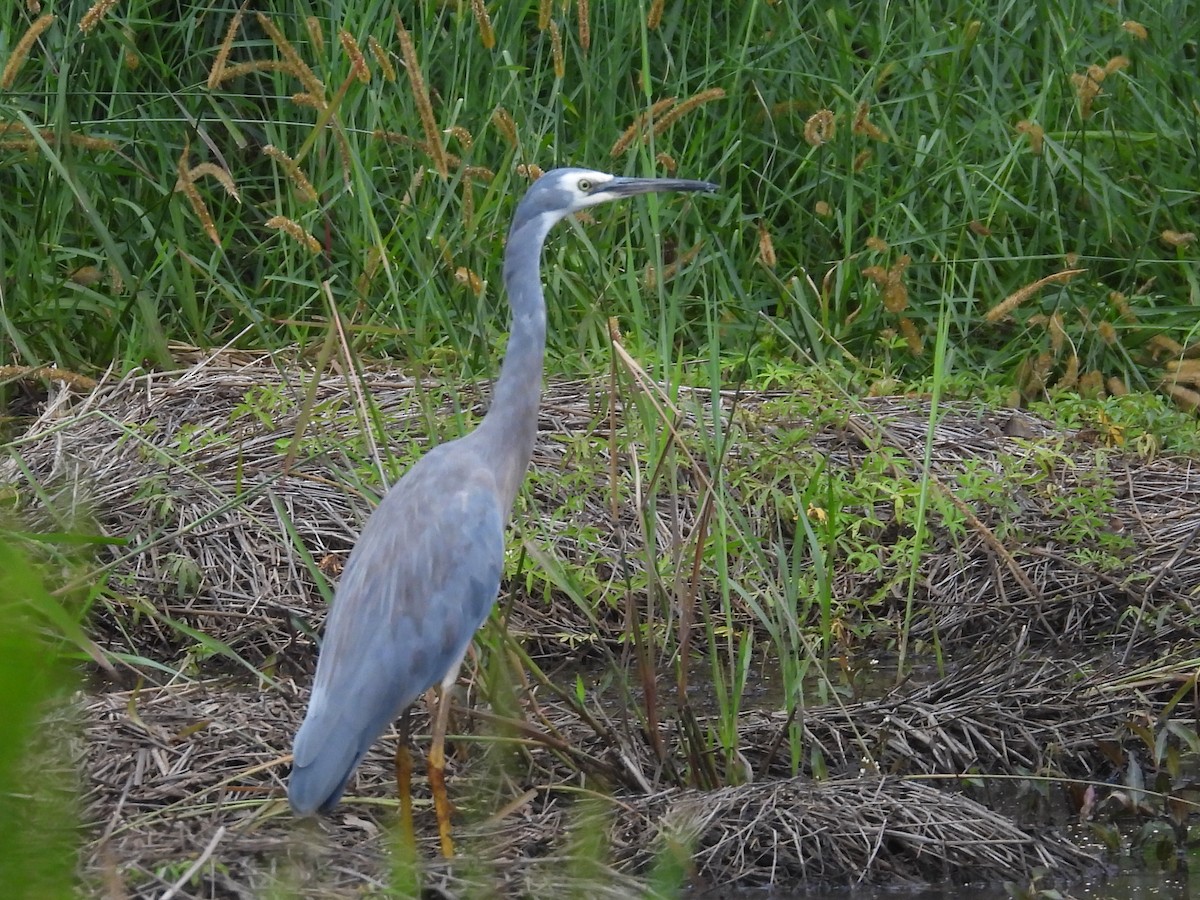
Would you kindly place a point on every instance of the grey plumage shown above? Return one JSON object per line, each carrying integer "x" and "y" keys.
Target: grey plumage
{"x": 426, "y": 569}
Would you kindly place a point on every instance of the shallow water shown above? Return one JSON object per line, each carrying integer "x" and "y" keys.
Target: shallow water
{"x": 1124, "y": 886}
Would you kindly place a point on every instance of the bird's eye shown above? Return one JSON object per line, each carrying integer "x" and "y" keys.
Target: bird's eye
{"x": 585, "y": 185}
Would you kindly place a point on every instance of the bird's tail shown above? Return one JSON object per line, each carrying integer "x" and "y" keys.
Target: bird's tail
{"x": 321, "y": 768}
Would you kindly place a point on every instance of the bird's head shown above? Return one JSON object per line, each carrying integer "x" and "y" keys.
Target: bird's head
{"x": 560, "y": 192}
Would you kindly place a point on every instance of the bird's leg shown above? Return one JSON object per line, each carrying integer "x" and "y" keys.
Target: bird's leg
{"x": 437, "y": 761}
{"x": 404, "y": 781}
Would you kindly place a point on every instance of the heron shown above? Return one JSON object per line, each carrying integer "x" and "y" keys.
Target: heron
{"x": 426, "y": 569}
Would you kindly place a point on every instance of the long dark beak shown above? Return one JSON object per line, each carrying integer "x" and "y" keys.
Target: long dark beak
{"x": 629, "y": 187}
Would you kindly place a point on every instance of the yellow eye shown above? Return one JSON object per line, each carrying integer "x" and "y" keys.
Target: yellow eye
{"x": 585, "y": 186}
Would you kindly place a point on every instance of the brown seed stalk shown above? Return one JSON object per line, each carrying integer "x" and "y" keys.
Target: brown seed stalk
{"x": 504, "y": 123}
{"x": 1137, "y": 29}
{"x": 890, "y": 282}
{"x": 381, "y": 59}
{"x": 358, "y": 65}
{"x": 1035, "y": 133}
{"x": 766, "y": 247}
{"x": 184, "y": 185}
{"x": 316, "y": 33}
{"x": 1016, "y": 298}
{"x": 864, "y": 126}
{"x": 300, "y": 182}
{"x": 654, "y": 17}
{"x": 544, "y": 10}
{"x": 585, "y": 28}
{"x": 461, "y": 135}
{"x": 296, "y": 66}
{"x": 638, "y": 127}
{"x": 820, "y": 128}
{"x": 1176, "y": 239}
{"x": 416, "y": 81}
{"x": 216, "y": 74}
{"x": 21, "y": 52}
{"x": 92, "y": 17}
{"x": 911, "y": 336}
{"x": 556, "y": 52}
{"x": 296, "y": 231}
{"x": 487, "y": 35}
{"x": 685, "y": 107}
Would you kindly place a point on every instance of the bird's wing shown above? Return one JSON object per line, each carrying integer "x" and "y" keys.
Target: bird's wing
{"x": 419, "y": 583}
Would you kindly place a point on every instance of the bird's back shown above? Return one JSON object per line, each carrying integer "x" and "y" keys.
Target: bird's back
{"x": 418, "y": 584}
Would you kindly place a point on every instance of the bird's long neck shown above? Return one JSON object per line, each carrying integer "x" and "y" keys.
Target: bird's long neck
{"x": 511, "y": 421}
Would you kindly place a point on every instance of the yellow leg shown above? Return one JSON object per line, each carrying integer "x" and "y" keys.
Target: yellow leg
{"x": 437, "y": 762}
{"x": 404, "y": 783}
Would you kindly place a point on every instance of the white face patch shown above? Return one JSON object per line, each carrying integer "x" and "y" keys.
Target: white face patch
{"x": 583, "y": 187}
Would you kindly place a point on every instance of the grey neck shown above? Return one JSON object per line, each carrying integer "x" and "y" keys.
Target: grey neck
{"x": 511, "y": 422}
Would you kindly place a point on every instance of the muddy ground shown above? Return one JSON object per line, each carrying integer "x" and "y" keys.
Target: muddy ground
{"x": 1056, "y": 690}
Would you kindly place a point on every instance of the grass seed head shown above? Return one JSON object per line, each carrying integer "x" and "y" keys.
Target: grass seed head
{"x": 316, "y": 33}
{"x": 685, "y": 106}
{"x": 820, "y": 128}
{"x": 911, "y": 336}
{"x": 416, "y": 80}
{"x": 504, "y": 123}
{"x": 638, "y": 128}
{"x": 487, "y": 35}
{"x": 295, "y": 231}
{"x": 21, "y": 52}
{"x": 295, "y": 64}
{"x": 556, "y": 52}
{"x": 1002, "y": 309}
{"x": 1035, "y": 133}
{"x": 1137, "y": 29}
{"x": 1091, "y": 384}
{"x": 92, "y": 17}
{"x": 863, "y": 125}
{"x": 1177, "y": 239}
{"x": 382, "y": 60}
{"x": 585, "y": 28}
{"x": 766, "y": 247}
{"x": 300, "y": 182}
{"x": 654, "y": 17}
{"x": 358, "y": 65}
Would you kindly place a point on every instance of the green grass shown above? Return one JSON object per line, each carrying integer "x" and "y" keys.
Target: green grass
{"x": 953, "y": 184}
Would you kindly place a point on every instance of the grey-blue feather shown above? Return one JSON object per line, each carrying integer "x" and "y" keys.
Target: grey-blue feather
{"x": 419, "y": 583}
